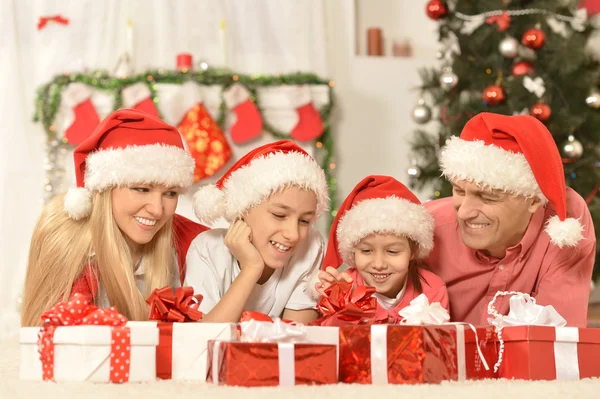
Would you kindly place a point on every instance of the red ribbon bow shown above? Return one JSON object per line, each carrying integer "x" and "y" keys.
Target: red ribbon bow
{"x": 78, "y": 311}
{"x": 341, "y": 305}
{"x": 181, "y": 306}
{"x": 503, "y": 21}
{"x": 56, "y": 18}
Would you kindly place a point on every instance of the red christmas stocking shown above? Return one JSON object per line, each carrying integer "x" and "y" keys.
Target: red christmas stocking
{"x": 204, "y": 138}
{"x": 137, "y": 96}
{"x": 310, "y": 124}
{"x": 77, "y": 96}
{"x": 249, "y": 123}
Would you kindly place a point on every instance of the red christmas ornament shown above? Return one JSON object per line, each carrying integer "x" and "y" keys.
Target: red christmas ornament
{"x": 436, "y": 9}
{"x": 493, "y": 95}
{"x": 523, "y": 68}
{"x": 541, "y": 111}
{"x": 533, "y": 38}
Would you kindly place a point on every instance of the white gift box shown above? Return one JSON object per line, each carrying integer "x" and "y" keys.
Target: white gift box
{"x": 82, "y": 353}
{"x": 189, "y": 347}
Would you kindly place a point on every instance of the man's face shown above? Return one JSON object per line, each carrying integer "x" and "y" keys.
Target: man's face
{"x": 491, "y": 220}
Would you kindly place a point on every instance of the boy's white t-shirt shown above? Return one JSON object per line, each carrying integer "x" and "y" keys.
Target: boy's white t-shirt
{"x": 211, "y": 269}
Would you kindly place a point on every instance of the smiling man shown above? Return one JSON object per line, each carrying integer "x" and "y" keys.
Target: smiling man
{"x": 511, "y": 224}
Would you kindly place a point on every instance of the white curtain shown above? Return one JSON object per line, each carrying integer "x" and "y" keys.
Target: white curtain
{"x": 262, "y": 36}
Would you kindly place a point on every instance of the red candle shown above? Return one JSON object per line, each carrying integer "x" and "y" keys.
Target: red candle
{"x": 374, "y": 41}
{"x": 184, "y": 61}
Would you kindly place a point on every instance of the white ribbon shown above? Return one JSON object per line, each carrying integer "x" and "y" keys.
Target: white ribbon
{"x": 215, "y": 361}
{"x": 379, "y": 369}
{"x": 420, "y": 311}
{"x": 535, "y": 86}
{"x": 287, "y": 371}
{"x": 525, "y": 311}
{"x": 461, "y": 356}
{"x": 566, "y": 360}
{"x": 277, "y": 331}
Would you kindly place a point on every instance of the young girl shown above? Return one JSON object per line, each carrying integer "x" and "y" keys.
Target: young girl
{"x": 116, "y": 237}
{"x": 271, "y": 197}
{"x": 382, "y": 231}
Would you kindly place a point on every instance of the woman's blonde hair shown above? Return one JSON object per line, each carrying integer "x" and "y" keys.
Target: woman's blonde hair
{"x": 61, "y": 248}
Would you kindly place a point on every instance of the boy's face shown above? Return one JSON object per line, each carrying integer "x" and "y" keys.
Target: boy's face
{"x": 281, "y": 223}
{"x": 382, "y": 261}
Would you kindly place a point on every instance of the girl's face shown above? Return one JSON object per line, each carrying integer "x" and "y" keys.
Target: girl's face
{"x": 142, "y": 210}
{"x": 281, "y": 223}
{"x": 382, "y": 261}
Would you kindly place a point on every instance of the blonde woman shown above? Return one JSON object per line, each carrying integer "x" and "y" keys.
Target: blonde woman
{"x": 115, "y": 238}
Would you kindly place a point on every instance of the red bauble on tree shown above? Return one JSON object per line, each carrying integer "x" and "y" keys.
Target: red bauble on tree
{"x": 523, "y": 68}
{"x": 436, "y": 9}
{"x": 493, "y": 95}
{"x": 533, "y": 38}
{"x": 541, "y": 111}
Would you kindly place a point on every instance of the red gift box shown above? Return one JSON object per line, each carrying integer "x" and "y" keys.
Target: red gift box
{"x": 550, "y": 353}
{"x": 269, "y": 364}
{"x": 403, "y": 354}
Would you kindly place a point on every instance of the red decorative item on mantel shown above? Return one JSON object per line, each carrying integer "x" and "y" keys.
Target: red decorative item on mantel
{"x": 436, "y": 9}
{"x": 59, "y": 19}
{"x": 184, "y": 62}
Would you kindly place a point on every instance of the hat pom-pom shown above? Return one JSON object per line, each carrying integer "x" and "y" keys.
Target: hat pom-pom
{"x": 209, "y": 204}
{"x": 78, "y": 203}
{"x": 567, "y": 232}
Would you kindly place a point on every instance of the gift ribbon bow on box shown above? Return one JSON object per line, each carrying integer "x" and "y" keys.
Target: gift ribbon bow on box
{"x": 419, "y": 312}
{"x": 79, "y": 312}
{"x": 181, "y": 306}
{"x": 168, "y": 307}
{"x": 343, "y": 304}
{"x": 524, "y": 311}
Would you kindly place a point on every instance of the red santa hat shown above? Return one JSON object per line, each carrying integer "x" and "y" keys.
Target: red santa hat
{"x": 378, "y": 204}
{"x": 515, "y": 154}
{"x": 128, "y": 147}
{"x": 255, "y": 176}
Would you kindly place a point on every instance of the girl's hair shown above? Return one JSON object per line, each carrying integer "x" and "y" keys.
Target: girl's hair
{"x": 414, "y": 267}
{"x": 61, "y": 248}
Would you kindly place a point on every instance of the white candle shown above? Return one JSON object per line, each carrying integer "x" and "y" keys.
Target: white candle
{"x": 223, "y": 39}
{"x": 130, "y": 38}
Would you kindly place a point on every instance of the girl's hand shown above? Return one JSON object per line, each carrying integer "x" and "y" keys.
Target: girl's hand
{"x": 329, "y": 276}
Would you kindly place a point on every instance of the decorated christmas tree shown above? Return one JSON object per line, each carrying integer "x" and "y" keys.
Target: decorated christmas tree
{"x": 512, "y": 57}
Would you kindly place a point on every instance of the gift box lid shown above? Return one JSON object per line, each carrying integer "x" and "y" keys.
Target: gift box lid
{"x": 142, "y": 333}
{"x": 554, "y": 334}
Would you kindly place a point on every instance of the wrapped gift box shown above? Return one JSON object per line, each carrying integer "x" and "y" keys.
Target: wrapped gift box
{"x": 549, "y": 353}
{"x": 82, "y": 353}
{"x": 403, "y": 354}
{"x": 182, "y": 350}
{"x": 270, "y": 364}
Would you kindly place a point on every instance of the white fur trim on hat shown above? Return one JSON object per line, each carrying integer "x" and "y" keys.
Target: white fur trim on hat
{"x": 564, "y": 233}
{"x": 250, "y": 185}
{"x": 489, "y": 166}
{"x": 78, "y": 203}
{"x": 385, "y": 215}
{"x": 209, "y": 204}
{"x": 155, "y": 163}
